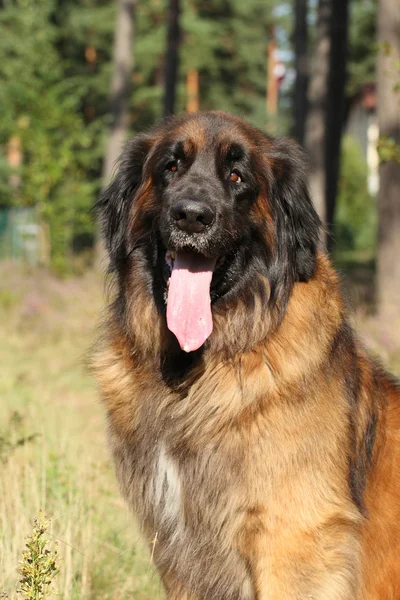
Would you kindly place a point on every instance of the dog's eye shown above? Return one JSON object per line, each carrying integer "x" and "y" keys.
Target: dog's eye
{"x": 173, "y": 166}
{"x": 235, "y": 176}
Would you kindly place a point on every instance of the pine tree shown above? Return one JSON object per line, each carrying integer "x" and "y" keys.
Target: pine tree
{"x": 171, "y": 63}
{"x": 317, "y": 98}
{"x": 336, "y": 109}
{"x": 120, "y": 85}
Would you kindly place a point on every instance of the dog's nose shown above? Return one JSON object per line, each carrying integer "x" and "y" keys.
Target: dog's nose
{"x": 192, "y": 216}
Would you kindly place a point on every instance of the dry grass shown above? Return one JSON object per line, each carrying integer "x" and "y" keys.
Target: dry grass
{"x": 52, "y": 449}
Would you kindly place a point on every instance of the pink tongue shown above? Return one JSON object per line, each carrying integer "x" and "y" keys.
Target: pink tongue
{"x": 189, "y": 303}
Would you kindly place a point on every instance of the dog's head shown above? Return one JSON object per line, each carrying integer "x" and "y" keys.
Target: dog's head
{"x": 208, "y": 210}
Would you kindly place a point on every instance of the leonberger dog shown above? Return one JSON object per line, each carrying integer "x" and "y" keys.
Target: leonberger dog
{"x": 255, "y": 439}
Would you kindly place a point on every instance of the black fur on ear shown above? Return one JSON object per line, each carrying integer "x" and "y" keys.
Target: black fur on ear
{"x": 298, "y": 224}
{"x": 113, "y": 205}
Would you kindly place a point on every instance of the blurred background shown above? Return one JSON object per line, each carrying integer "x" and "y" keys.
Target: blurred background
{"x": 77, "y": 77}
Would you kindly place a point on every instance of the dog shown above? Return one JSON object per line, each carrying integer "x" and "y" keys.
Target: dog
{"x": 255, "y": 439}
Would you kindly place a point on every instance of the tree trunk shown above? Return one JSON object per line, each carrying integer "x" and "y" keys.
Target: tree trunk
{"x": 301, "y": 66}
{"x": 327, "y": 109}
{"x": 172, "y": 57}
{"x": 272, "y": 99}
{"x": 317, "y": 101}
{"x": 122, "y": 68}
{"x": 192, "y": 91}
{"x": 120, "y": 84}
{"x": 389, "y": 189}
{"x": 336, "y": 109}
{"x": 14, "y": 159}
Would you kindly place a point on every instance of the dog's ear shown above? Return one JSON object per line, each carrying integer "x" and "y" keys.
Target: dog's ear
{"x": 113, "y": 205}
{"x": 298, "y": 222}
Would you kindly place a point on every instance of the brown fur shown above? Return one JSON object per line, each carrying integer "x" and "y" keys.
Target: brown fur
{"x": 270, "y": 469}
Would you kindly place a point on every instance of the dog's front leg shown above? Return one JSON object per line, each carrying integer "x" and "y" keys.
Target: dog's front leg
{"x": 281, "y": 585}
{"x": 174, "y": 588}
{"x": 304, "y": 566}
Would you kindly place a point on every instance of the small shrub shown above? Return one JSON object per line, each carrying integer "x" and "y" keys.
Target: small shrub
{"x": 39, "y": 565}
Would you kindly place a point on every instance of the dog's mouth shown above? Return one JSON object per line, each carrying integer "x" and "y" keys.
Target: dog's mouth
{"x": 189, "y": 276}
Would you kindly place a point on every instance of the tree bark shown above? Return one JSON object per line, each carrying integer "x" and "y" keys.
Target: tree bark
{"x": 272, "y": 99}
{"x": 326, "y": 112}
{"x": 120, "y": 84}
{"x": 301, "y": 67}
{"x": 192, "y": 91}
{"x": 317, "y": 102}
{"x": 336, "y": 109}
{"x": 172, "y": 57}
{"x": 388, "y": 278}
{"x": 120, "y": 91}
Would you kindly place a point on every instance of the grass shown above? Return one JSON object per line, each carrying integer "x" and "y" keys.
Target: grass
{"x": 53, "y": 455}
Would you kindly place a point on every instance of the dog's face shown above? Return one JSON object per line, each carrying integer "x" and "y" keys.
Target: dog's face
{"x": 205, "y": 207}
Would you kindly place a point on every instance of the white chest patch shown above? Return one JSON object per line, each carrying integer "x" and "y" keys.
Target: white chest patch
{"x": 166, "y": 489}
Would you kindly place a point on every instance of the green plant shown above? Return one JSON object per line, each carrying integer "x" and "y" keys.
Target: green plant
{"x": 388, "y": 150}
{"x": 39, "y": 565}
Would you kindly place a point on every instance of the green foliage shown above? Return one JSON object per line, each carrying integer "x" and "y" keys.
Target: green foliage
{"x": 225, "y": 40}
{"x": 388, "y": 150}
{"x": 362, "y": 45}
{"x": 39, "y": 565}
{"x": 227, "y": 44}
{"x": 42, "y": 108}
{"x": 356, "y": 215}
{"x": 150, "y": 39}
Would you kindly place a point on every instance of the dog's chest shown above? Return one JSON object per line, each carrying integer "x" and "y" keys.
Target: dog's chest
{"x": 194, "y": 517}
{"x": 185, "y": 490}
{"x": 164, "y": 491}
